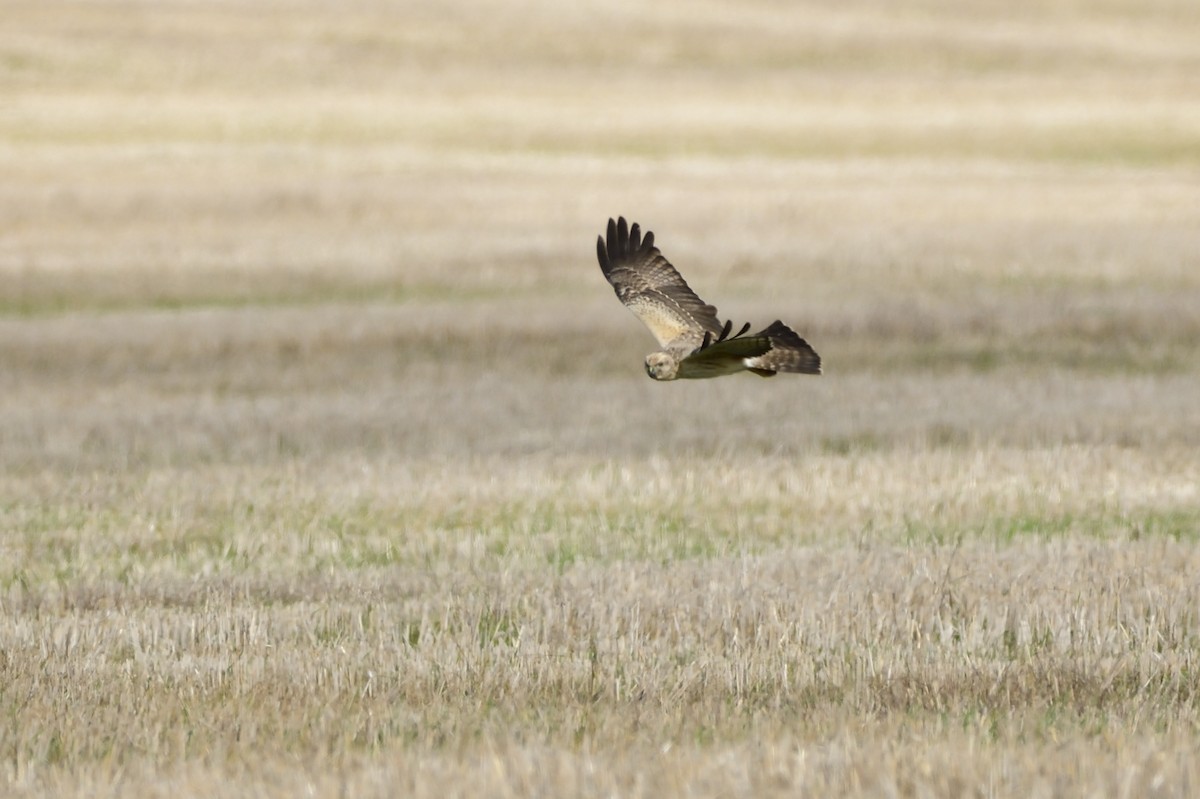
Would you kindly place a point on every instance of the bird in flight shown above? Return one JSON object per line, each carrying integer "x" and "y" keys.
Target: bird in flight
{"x": 694, "y": 342}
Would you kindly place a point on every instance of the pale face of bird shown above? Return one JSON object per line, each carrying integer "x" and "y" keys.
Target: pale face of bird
{"x": 661, "y": 366}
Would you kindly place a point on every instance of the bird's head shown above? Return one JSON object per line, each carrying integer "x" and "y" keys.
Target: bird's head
{"x": 662, "y": 366}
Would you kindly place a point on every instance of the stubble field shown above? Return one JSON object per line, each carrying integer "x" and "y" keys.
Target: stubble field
{"x": 328, "y": 466}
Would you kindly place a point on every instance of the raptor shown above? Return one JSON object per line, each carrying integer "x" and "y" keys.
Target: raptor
{"x": 695, "y": 344}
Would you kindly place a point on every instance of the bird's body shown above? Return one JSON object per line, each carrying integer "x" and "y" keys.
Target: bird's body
{"x": 694, "y": 342}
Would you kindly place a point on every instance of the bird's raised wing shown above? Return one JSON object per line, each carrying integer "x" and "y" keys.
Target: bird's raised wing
{"x": 650, "y": 287}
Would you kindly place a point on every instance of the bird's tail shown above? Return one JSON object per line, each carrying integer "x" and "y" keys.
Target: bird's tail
{"x": 788, "y": 353}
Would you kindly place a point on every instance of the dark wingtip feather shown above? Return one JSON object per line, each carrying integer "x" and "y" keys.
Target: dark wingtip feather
{"x": 625, "y": 239}
{"x": 602, "y": 255}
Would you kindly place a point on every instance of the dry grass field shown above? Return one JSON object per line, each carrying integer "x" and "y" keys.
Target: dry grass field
{"x": 328, "y": 466}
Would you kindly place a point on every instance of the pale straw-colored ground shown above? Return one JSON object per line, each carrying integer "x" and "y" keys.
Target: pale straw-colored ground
{"x": 328, "y": 466}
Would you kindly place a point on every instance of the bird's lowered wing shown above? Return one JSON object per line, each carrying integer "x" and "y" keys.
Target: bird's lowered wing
{"x": 776, "y": 349}
{"x": 724, "y": 357}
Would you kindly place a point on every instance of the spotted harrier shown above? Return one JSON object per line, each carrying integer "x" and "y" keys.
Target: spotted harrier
{"x": 694, "y": 342}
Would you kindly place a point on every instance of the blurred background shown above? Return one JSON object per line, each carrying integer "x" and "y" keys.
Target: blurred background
{"x": 379, "y": 218}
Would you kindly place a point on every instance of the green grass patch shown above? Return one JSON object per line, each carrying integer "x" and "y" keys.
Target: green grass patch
{"x": 1179, "y": 524}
